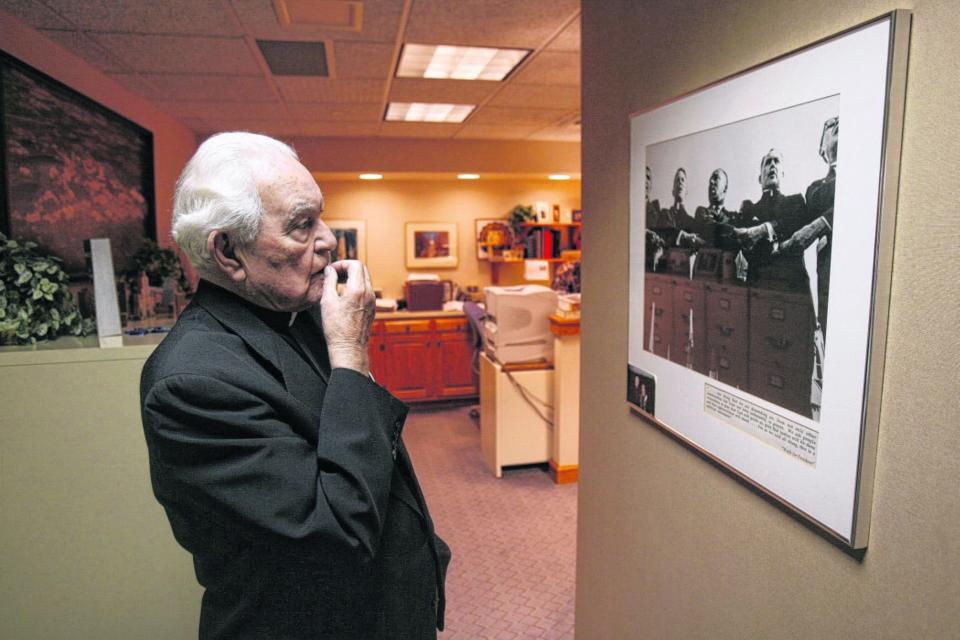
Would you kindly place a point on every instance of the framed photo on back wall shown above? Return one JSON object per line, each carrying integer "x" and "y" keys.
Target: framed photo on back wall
{"x": 761, "y": 236}
{"x": 351, "y": 239}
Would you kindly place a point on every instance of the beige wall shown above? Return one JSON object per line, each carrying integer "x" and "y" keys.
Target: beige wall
{"x": 173, "y": 143}
{"x": 85, "y": 549}
{"x": 388, "y": 205}
{"x": 668, "y": 545}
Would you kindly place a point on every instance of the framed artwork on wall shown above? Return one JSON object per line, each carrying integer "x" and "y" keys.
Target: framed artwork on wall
{"x": 351, "y": 239}
{"x": 72, "y": 170}
{"x": 491, "y": 229}
{"x": 759, "y": 314}
{"x": 431, "y": 245}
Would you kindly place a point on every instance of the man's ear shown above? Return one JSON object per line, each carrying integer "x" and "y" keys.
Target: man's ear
{"x": 223, "y": 249}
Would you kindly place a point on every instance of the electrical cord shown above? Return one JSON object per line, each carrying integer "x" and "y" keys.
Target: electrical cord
{"x": 530, "y": 398}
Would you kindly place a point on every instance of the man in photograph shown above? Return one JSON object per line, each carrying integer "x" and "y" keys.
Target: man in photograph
{"x": 277, "y": 458}
{"x": 819, "y": 197}
{"x": 674, "y": 224}
{"x": 715, "y": 223}
{"x": 654, "y": 243}
{"x": 768, "y": 221}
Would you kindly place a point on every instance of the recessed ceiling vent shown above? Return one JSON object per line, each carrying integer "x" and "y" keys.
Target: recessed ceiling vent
{"x": 316, "y": 15}
{"x": 295, "y": 58}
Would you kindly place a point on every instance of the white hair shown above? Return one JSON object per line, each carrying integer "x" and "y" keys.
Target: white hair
{"x": 218, "y": 191}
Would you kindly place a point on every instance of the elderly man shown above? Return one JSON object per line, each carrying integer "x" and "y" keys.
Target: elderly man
{"x": 277, "y": 458}
{"x": 769, "y": 221}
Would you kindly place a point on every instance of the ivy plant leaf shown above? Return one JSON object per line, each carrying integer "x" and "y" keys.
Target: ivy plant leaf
{"x": 25, "y": 276}
{"x": 19, "y": 267}
{"x": 41, "y": 329}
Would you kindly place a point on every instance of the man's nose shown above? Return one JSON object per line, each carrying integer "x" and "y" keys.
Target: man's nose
{"x": 325, "y": 240}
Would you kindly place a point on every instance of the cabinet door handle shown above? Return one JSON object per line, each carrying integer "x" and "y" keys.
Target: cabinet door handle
{"x": 383, "y": 347}
{"x": 726, "y": 332}
{"x": 779, "y": 342}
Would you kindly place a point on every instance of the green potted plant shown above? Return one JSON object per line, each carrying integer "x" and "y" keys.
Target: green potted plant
{"x": 159, "y": 264}
{"x": 35, "y": 299}
{"x": 520, "y": 217}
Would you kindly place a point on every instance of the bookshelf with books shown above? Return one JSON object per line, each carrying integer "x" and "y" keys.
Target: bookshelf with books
{"x": 549, "y": 241}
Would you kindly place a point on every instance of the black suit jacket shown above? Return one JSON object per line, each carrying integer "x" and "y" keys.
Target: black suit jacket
{"x": 785, "y": 214}
{"x": 289, "y": 483}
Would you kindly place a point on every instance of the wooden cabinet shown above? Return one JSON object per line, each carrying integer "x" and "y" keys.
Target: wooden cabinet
{"x": 424, "y": 358}
{"x": 756, "y": 339}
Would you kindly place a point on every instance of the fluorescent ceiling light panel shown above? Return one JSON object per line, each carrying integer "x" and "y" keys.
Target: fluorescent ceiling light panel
{"x": 457, "y": 63}
{"x": 427, "y": 112}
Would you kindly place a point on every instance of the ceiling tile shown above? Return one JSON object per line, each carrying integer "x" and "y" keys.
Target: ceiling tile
{"x": 496, "y": 132}
{"x": 180, "y": 87}
{"x": 230, "y": 110}
{"x": 362, "y": 59}
{"x": 169, "y": 16}
{"x": 568, "y": 39}
{"x": 179, "y": 54}
{"x": 330, "y": 89}
{"x": 273, "y": 127}
{"x": 490, "y": 23}
{"x": 418, "y": 130}
{"x": 507, "y": 116}
{"x": 339, "y": 129}
{"x": 336, "y": 112}
{"x": 87, "y": 48}
{"x": 34, "y": 14}
{"x": 550, "y": 68}
{"x": 452, "y": 91}
{"x": 568, "y": 133}
{"x": 140, "y": 85}
{"x": 381, "y": 20}
{"x": 538, "y": 95}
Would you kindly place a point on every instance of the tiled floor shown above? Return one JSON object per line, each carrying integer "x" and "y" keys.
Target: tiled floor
{"x": 513, "y": 538}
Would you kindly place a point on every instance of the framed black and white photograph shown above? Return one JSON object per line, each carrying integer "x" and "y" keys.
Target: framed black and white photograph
{"x": 642, "y": 390}
{"x": 72, "y": 170}
{"x": 351, "y": 239}
{"x": 759, "y": 312}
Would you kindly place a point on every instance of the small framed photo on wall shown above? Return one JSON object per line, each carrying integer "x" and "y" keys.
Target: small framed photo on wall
{"x": 351, "y": 239}
{"x": 431, "y": 244}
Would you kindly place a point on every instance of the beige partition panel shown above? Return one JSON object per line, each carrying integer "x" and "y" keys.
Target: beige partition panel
{"x": 85, "y": 549}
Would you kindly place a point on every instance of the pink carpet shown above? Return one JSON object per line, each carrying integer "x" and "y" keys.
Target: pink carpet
{"x": 513, "y": 538}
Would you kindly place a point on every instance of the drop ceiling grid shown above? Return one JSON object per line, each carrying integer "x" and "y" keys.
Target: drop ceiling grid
{"x": 490, "y": 23}
{"x": 189, "y": 57}
{"x": 179, "y": 54}
{"x": 143, "y": 16}
{"x": 381, "y": 19}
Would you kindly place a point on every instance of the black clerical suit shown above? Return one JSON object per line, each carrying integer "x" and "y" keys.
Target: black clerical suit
{"x": 820, "y": 195}
{"x": 785, "y": 214}
{"x": 288, "y": 482}
{"x": 715, "y": 225}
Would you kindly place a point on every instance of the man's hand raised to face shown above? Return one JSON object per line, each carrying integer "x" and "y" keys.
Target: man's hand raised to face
{"x": 347, "y": 315}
